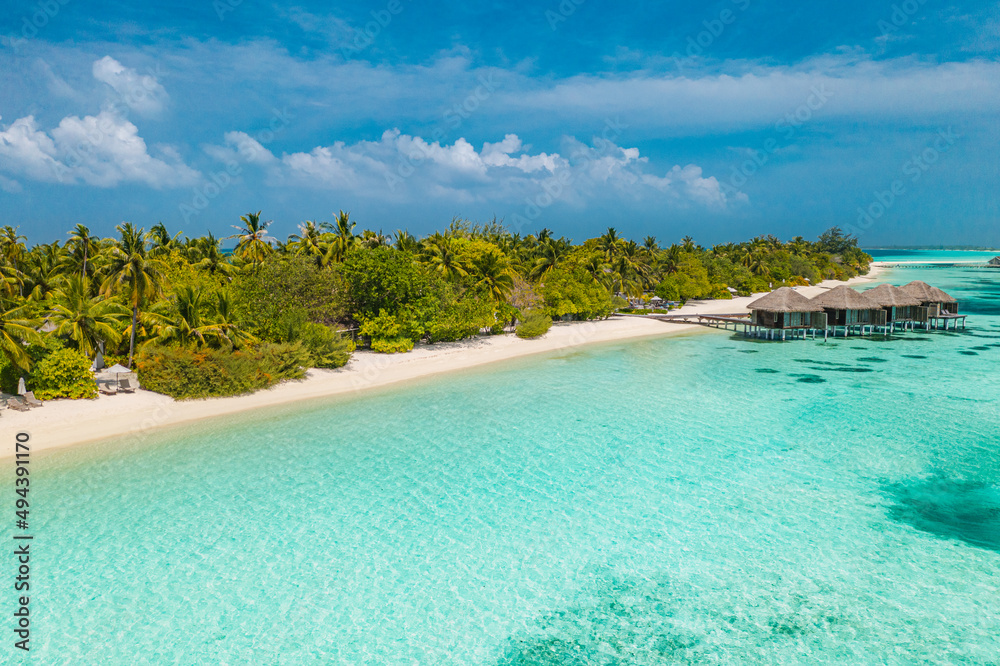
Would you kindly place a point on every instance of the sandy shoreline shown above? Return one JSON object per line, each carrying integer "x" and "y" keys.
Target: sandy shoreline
{"x": 66, "y": 422}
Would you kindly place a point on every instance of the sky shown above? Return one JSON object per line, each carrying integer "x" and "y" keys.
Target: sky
{"x": 719, "y": 120}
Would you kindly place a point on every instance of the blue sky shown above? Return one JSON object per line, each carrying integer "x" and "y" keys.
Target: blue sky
{"x": 717, "y": 120}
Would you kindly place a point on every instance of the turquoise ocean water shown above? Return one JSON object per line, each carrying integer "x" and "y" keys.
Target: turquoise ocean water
{"x": 695, "y": 499}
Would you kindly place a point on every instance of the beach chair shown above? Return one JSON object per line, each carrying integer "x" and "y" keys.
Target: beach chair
{"x": 125, "y": 386}
{"x": 107, "y": 388}
{"x": 17, "y": 405}
{"x": 29, "y": 397}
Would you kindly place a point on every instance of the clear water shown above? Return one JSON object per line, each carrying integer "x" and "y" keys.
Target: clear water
{"x": 699, "y": 499}
{"x": 932, "y": 255}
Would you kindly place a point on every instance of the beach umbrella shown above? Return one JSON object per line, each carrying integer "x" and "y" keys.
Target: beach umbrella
{"x": 117, "y": 369}
{"x": 21, "y": 389}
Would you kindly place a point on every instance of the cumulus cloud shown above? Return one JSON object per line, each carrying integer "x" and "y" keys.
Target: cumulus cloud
{"x": 141, "y": 92}
{"x": 402, "y": 167}
{"x": 102, "y": 150}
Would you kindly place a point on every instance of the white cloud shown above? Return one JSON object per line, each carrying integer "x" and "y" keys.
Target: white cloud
{"x": 141, "y": 92}
{"x": 402, "y": 167}
{"x": 102, "y": 150}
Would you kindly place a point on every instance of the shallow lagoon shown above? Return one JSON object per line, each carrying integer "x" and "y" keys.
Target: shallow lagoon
{"x": 697, "y": 499}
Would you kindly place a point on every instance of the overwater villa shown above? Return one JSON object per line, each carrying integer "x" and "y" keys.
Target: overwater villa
{"x": 850, "y": 311}
{"x": 785, "y": 309}
{"x": 937, "y": 308}
{"x": 901, "y": 308}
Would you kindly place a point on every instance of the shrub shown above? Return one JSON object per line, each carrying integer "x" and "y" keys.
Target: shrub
{"x": 64, "y": 373}
{"x": 183, "y": 373}
{"x": 386, "y": 334}
{"x": 326, "y": 347}
{"x": 535, "y": 324}
{"x": 392, "y": 345}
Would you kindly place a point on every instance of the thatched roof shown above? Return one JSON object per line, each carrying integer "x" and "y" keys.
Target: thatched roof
{"x": 927, "y": 293}
{"x": 785, "y": 299}
{"x": 995, "y": 261}
{"x": 887, "y": 295}
{"x": 845, "y": 298}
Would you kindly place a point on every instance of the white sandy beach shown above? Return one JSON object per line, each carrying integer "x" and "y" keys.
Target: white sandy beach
{"x": 65, "y": 422}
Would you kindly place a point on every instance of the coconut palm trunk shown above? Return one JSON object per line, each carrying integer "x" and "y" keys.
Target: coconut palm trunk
{"x": 131, "y": 340}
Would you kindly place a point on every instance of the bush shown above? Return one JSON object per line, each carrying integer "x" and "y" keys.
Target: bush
{"x": 65, "y": 373}
{"x": 392, "y": 345}
{"x": 183, "y": 373}
{"x": 386, "y": 334}
{"x": 536, "y": 323}
{"x": 276, "y": 301}
{"x": 326, "y": 347}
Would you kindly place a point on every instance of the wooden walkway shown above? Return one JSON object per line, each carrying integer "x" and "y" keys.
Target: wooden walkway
{"x": 737, "y": 320}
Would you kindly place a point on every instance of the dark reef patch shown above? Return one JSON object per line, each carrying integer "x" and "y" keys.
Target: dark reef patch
{"x": 969, "y": 353}
{"x": 912, "y": 356}
{"x": 766, "y": 371}
{"x": 872, "y": 359}
{"x": 960, "y": 510}
{"x": 808, "y": 379}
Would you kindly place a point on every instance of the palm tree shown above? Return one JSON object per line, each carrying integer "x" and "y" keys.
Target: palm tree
{"x": 185, "y": 320}
{"x": 405, "y": 242}
{"x": 549, "y": 255}
{"x": 16, "y": 328}
{"x": 12, "y": 249}
{"x": 253, "y": 242}
{"x": 310, "y": 242}
{"x": 85, "y": 245}
{"x": 344, "y": 238}
{"x": 88, "y": 321}
{"x": 494, "y": 275}
{"x": 688, "y": 244}
{"x": 440, "y": 255}
{"x": 206, "y": 255}
{"x": 161, "y": 240}
{"x": 43, "y": 270}
{"x": 609, "y": 243}
{"x": 133, "y": 271}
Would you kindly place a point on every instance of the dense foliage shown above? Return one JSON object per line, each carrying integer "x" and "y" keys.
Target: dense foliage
{"x": 185, "y": 373}
{"x": 194, "y": 309}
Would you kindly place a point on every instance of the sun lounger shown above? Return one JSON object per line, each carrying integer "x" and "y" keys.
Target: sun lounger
{"x": 29, "y": 397}
{"x": 125, "y": 386}
{"x": 17, "y": 405}
{"x": 107, "y": 388}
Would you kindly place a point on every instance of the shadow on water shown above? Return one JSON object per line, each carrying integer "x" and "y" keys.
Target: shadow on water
{"x": 872, "y": 359}
{"x": 766, "y": 371}
{"x": 912, "y": 356}
{"x": 959, "y": 510}
{"x": 809, "y": 379}
{"x": 827, "y": 369}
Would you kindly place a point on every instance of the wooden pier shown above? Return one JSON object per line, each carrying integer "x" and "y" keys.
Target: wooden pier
{"x": 740, "y": 322}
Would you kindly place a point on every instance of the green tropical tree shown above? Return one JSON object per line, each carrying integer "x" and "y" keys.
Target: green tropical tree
{"x": 86, "y": 320}
{"x": 133, "y": 272}
{"x": 253, "y": 243}
{"x": 17, "y": 327}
